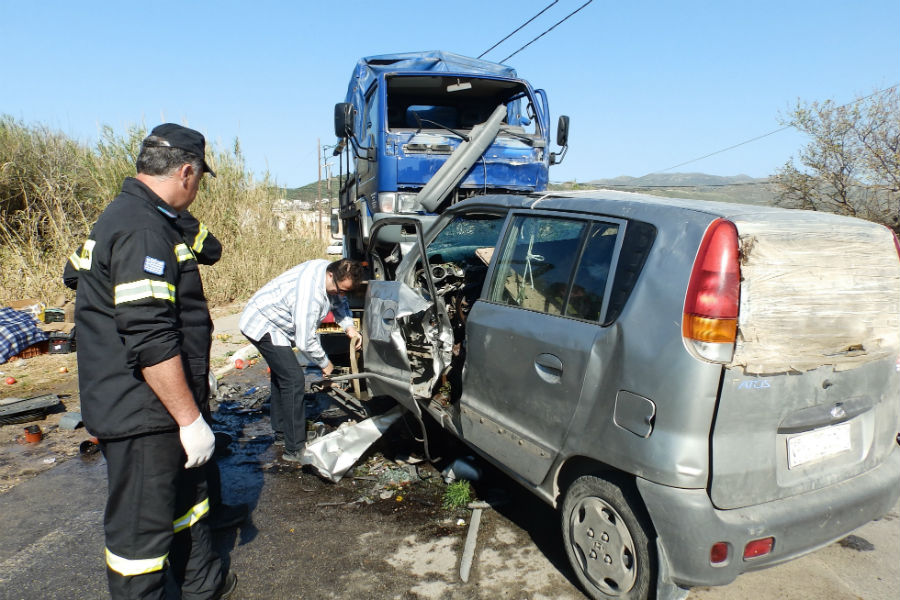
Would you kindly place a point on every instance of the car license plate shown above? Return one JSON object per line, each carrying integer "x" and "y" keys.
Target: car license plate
{"x": 819, "y": 443}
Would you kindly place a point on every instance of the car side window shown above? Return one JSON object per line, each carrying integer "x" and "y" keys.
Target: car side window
{"x": 536, "y": 263}
{"x": 586, "y": 297}
{"x": 555, "y": 266}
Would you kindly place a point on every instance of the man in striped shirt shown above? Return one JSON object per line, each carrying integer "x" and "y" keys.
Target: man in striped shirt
{"x": 287, "y": 312}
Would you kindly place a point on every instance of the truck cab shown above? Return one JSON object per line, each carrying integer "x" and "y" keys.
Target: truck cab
{"x": 421, "y": 131}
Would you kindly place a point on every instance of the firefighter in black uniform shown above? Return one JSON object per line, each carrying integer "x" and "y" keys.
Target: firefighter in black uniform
{"x": 144, "y": 335}
{"x": 207, "y": 250}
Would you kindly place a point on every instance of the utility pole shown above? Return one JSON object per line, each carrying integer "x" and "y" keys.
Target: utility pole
{"x": 330, "y": 200}
{"x": 319, "y": 187}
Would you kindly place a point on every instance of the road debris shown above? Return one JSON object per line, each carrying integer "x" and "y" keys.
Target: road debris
{"x": 33, "y": 434}
{"x": 461, "y": 468}
{"x": 18, "y": 410}
{"x": 465, "y": 564}
{"x": 70, "y": 421}
{"x": 333, "y": 454}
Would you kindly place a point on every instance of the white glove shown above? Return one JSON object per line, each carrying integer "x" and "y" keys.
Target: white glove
{"x": 198, "y": 442}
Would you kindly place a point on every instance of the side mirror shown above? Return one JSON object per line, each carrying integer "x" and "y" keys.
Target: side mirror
{"x": 343, "y": 120}
{"x": 562, "y": 131}
{"x": 562, "y": 139}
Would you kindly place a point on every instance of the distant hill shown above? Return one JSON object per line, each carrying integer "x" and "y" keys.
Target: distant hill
{"x": 735, "y": 188}
{"x": 674, "y": 180}
{"x": 308, "y": 192}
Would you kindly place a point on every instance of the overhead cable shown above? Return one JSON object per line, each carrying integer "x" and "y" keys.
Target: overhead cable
{"x": 547, "y": 31}
{"x": 773, "y": 132}
{"x": 519, "y": 28}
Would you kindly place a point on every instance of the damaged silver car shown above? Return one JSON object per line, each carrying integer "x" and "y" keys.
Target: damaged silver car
{"x": 702, "y": 389}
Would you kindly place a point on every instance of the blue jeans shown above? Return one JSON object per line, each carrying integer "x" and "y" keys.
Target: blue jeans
{"x": 288, "y": 412}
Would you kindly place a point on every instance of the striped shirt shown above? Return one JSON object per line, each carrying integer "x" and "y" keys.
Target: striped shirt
{"x": 290, "y": 308}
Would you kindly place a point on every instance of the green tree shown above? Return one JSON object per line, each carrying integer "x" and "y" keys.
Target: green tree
{"x": 851, "y": 165}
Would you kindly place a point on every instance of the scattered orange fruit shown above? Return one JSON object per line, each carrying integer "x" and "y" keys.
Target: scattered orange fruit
{"x": 10, "y": 380}
{"x": 239, "y": 364}
{"x": 268, "y": 370}
{"x": 63, "y": 370}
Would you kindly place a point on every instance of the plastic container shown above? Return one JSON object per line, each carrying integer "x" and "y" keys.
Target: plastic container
{"x": 461, "y": 468}
{"x": 243, "y": 355}
{"x": 33, "y": 434}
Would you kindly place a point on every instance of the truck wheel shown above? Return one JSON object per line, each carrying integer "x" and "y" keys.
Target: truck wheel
{"x": 608, "y": 545}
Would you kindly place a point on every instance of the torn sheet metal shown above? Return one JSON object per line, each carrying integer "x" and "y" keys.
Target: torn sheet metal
{"x": 334, "y": 454}
{"x": 816, "y": 290}
{"x": 392, "y": 303}
{"x": 441, "y": 342}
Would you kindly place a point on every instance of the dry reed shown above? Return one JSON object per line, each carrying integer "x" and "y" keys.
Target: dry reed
{"x": 52, "y": 189}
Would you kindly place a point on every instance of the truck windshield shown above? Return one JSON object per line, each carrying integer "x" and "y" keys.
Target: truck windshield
{"x": 420, "y": 102}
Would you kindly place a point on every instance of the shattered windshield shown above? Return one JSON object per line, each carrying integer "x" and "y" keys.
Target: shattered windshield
{"x": 423, "y": 102}
{"x": 463, "y": 235}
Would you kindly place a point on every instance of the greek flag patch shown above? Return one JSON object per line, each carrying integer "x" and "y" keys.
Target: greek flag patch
{"x": 154, "y": 266}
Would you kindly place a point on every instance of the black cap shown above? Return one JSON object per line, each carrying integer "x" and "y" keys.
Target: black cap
{"x": 183, "y": 138}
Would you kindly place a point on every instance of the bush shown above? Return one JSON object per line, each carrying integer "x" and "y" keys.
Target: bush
{"x": 52, "y": 189}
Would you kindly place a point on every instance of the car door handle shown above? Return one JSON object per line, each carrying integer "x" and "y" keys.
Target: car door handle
{"x": 388, "y": 317}
{"x": 548, "y": 367}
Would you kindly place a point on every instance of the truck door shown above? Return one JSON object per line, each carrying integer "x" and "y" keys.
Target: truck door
{"x": 533, "y": 337}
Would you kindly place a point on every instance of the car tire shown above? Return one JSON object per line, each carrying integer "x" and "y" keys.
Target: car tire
{"x": 607, "y": 542}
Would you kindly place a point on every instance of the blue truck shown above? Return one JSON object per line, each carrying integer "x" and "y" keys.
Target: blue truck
{"x": 420, "y": 131}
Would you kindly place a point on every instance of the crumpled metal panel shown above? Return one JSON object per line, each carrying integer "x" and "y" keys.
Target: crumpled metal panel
{"x": 398, "y": 301}
{"x": 441, "y": 354}
{"x": 368, "y": 68}
{"x": 332, "y": 455}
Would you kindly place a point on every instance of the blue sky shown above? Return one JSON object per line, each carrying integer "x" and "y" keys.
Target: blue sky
{"x": 647, "y": 85}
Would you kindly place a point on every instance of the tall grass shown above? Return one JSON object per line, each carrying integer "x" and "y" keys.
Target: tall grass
{"x": 52, "y": 189}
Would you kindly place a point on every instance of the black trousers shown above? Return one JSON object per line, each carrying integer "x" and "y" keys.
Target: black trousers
{"x": 288, "y": 388}
{"x": 155, "y": 520}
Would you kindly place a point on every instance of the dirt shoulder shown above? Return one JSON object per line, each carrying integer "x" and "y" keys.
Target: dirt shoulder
{"x": 58, "y": 374}
{"x": 43, "y": 374}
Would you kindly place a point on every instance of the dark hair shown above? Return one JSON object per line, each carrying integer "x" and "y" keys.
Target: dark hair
{"x": 158, "y": 158}
{"x": 347, "y": 269}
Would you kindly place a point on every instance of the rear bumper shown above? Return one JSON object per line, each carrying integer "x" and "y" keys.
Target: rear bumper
{"x": 688, "y": 524}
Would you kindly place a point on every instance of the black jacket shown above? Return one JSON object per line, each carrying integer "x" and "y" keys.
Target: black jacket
{"x": 195, "y": 234}
{"x": 140, "y": 301}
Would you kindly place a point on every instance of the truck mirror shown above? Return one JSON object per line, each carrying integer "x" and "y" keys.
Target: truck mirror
{"x": 343, "y": 120}
{"x": 562, "y": 131}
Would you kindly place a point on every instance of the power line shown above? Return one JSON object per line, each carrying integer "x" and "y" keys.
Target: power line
{"x": 547, "y": 31}
{"x": 519, "y": 28}
{"x": 759, "y": 137}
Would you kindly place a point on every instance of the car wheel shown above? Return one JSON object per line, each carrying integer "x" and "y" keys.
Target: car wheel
{"x": 608, "y": 545}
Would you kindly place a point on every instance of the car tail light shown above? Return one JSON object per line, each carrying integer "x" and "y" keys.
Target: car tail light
{"x": 709, "y": 322}
{"x": 758, "y": 548}
{"x": 718, "y": 554}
